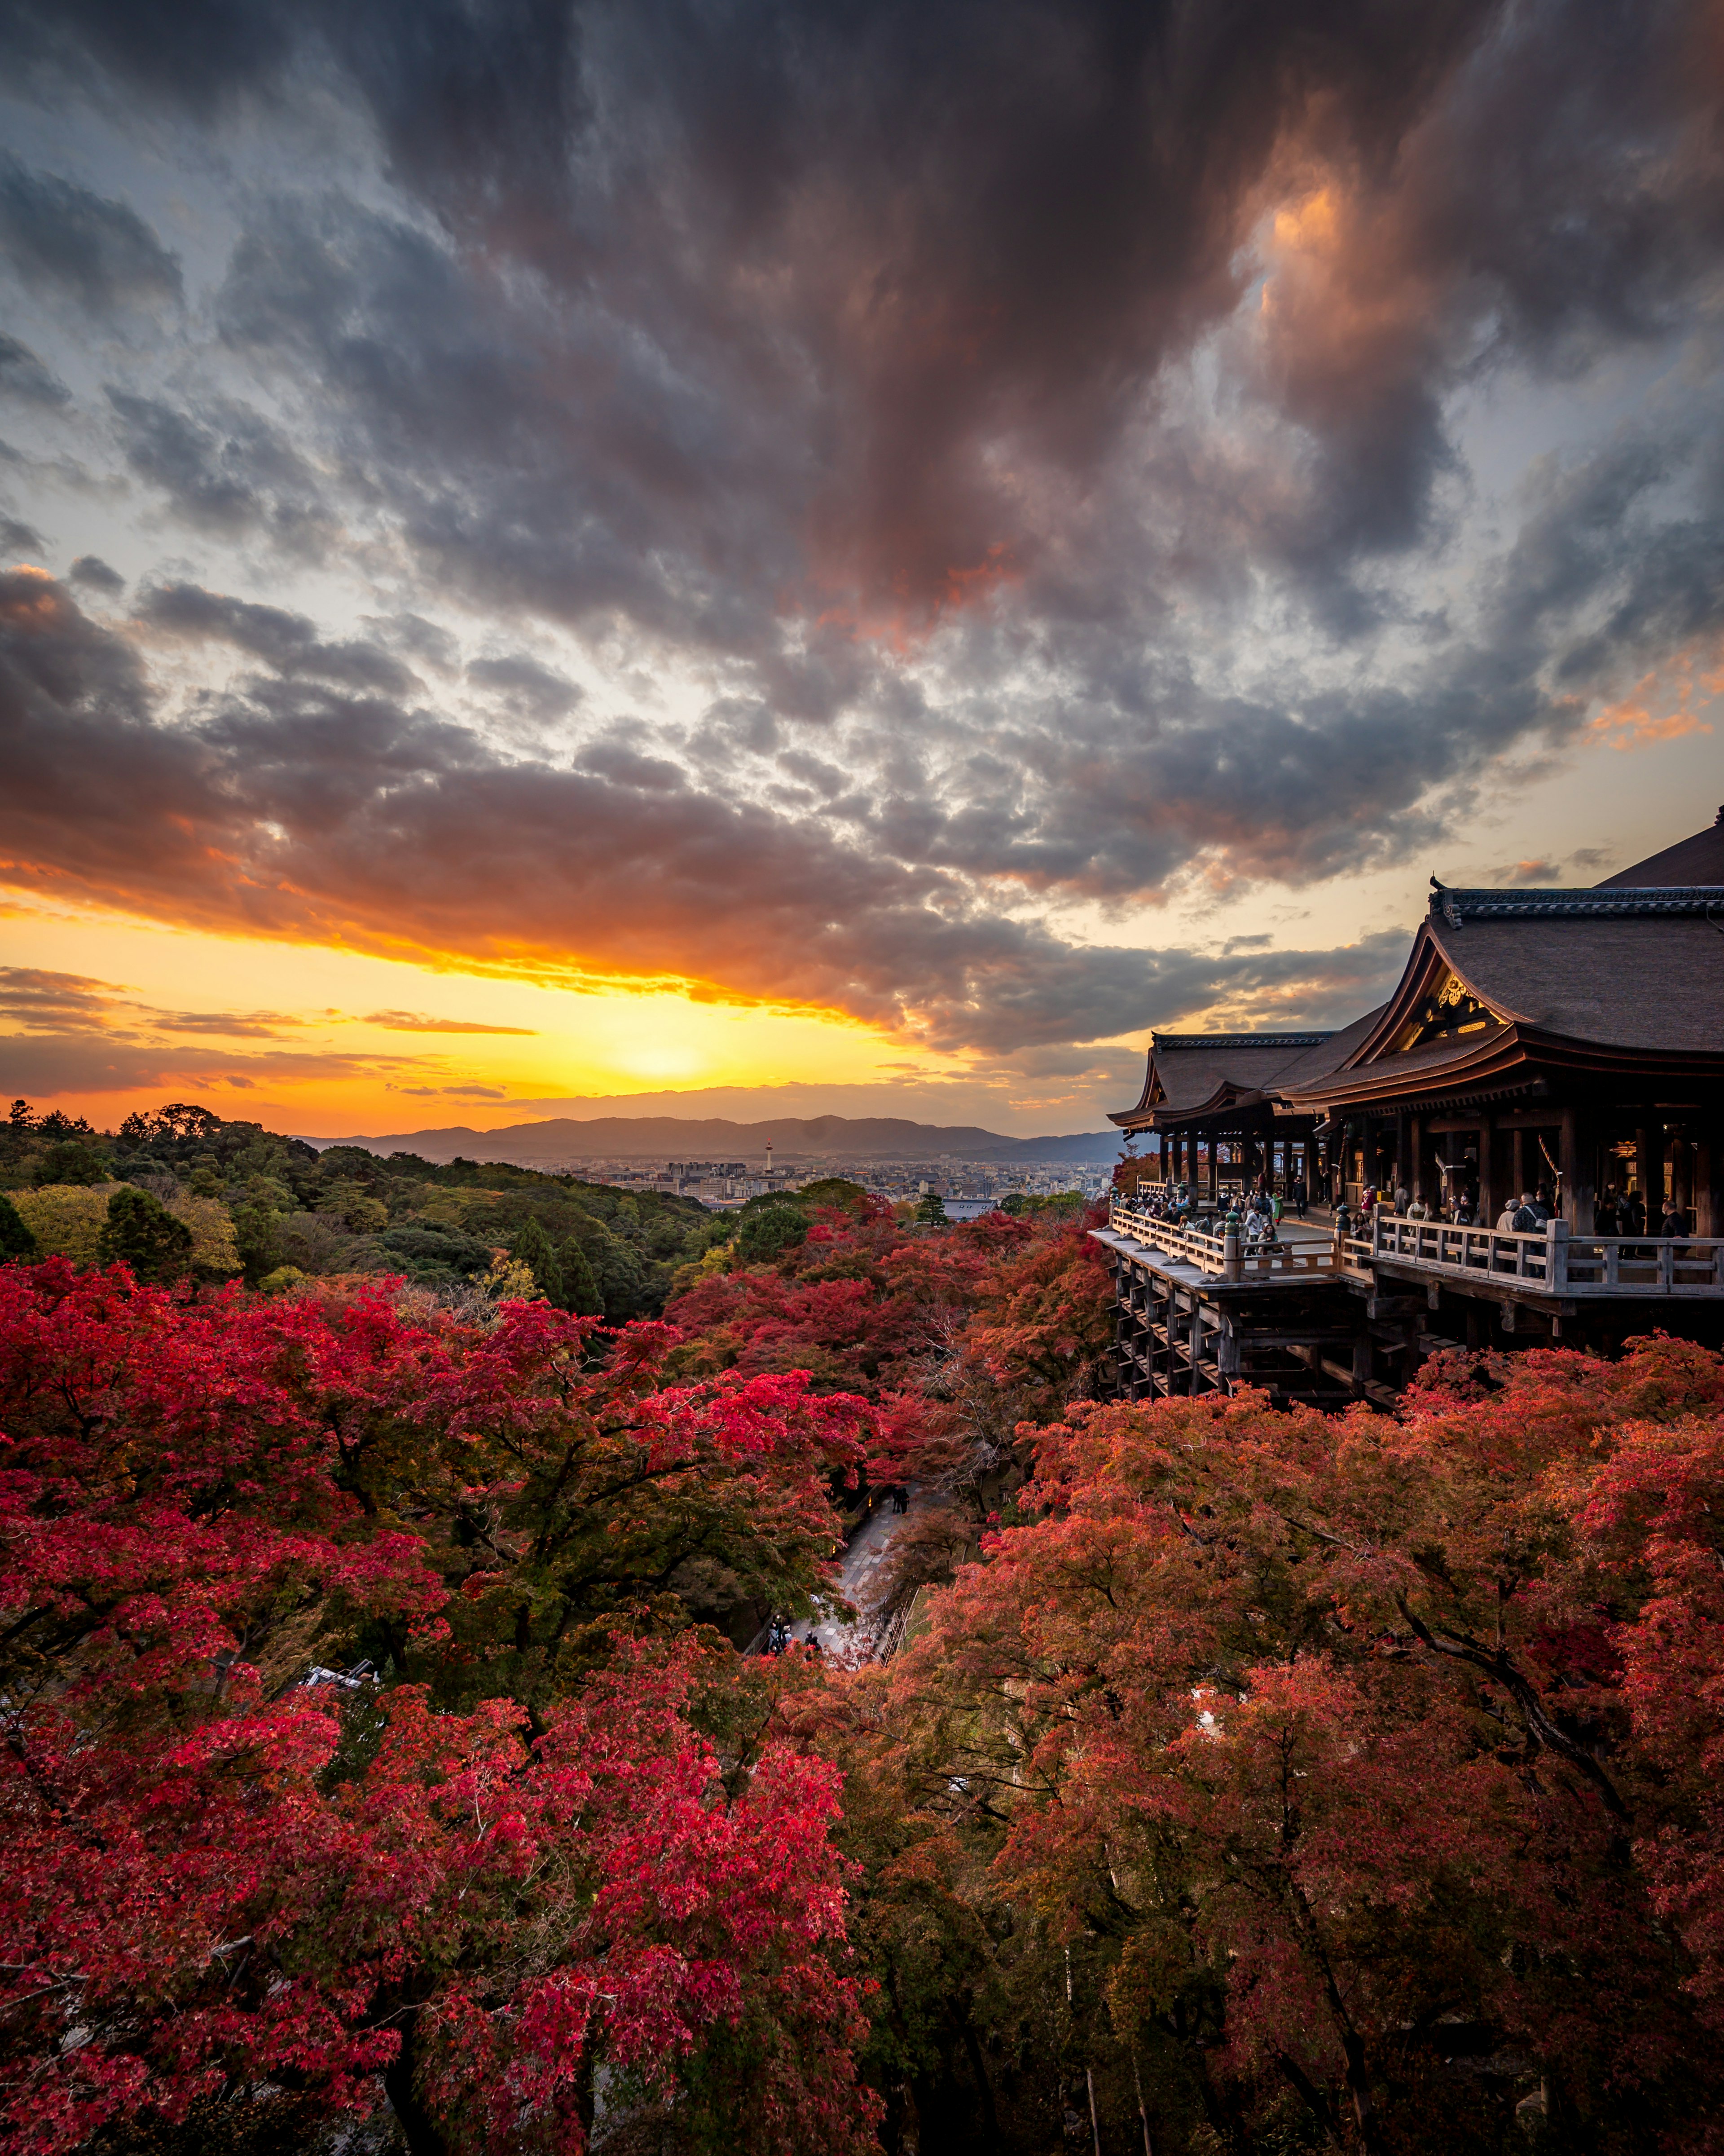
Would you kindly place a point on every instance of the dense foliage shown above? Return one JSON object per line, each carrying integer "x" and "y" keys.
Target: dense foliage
{"x": 276, "y": 1210}
{"x": 380, "y": 1748}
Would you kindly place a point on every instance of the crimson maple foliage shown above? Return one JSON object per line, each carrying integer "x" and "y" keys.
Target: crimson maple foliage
{"x": 220, "y": 1880}
{"x": 1350, "y": 1776}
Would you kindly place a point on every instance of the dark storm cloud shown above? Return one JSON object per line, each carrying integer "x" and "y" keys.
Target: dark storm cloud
{"x": 100, "y": 252}
{"x": 1033, "y": 427}
{"x": 309, "y": 813}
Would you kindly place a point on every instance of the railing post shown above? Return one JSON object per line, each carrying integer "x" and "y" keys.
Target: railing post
{"x": 1667, "y": 1266}
{"x": 1556, "y": 1255}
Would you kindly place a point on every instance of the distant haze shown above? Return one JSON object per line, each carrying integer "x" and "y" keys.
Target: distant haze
{"x": 675, "y": 1137}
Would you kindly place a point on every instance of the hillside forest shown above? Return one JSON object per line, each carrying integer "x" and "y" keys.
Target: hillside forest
{"x": 392, "y": 1764}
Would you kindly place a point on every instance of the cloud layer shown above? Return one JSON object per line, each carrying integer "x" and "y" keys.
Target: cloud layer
{"x": 811, "y": 504}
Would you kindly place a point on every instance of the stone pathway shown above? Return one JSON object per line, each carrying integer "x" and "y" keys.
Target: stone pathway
{"x": 855, "y": 1643}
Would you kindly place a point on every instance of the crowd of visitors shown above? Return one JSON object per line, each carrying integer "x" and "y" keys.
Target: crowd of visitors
{"x": 1261, "y": 1209}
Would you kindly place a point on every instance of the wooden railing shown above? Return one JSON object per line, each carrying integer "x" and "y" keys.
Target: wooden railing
{"x": 1552, "y": 1259}
{"x": 1224, "y": 1256}
{"x": 1549, "y": 1262}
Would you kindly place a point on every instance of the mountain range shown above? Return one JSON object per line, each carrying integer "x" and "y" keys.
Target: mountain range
{"x": 677, "y": 1138}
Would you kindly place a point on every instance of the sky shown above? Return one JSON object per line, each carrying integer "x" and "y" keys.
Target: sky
{"x": 859, "y": 556}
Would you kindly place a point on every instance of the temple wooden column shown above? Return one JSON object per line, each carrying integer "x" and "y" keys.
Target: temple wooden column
{"x": 1577, "y": 1161}
{"x": 1489, "y": 1203}
{"x": 1649, "y": 1165}
{"x": 1518, "y": 1164}
{"x": 1708, "y": 1196}
{"x": 1415, "y": 1143}
{"x": 1682, "y": 1172}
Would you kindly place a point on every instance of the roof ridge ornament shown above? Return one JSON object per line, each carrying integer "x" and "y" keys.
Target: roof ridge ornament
{"x": 1584, "y": 903}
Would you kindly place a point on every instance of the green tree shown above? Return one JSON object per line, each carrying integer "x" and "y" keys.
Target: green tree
{"x": 932, "y": 1212}
{"x": 142, "y": 1233}
{"x": 533, "y": 1247}
{"x": 68, "y": 1161}
{"x": 255, "y": 1222}
{"x": 579, "y": 1281}
{"x": 16, "y": 1239}
{"x": 767, "y": 1236}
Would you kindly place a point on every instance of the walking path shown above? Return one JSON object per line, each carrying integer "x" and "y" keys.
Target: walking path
{"x": 854, "y": 1642}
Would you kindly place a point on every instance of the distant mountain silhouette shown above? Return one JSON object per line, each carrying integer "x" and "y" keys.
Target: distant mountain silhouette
{"x": 676, "y": 1137}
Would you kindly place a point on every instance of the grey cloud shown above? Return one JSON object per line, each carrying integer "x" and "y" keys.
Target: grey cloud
{"x": 298, "y": 810}
{"x": 101, "y": 253}
{"x": 17, "y": 537}
{"x": 522, "y": 680}
{"x": 288, "y": 642}
{"x": 95, "y": 575}
{"x": 23, "y": 376}
{"x": 229, "y": 472}
{"x": 894, "y": 373}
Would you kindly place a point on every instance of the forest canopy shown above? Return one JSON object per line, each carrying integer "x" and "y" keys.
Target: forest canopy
{"x": 392, "y": 1764}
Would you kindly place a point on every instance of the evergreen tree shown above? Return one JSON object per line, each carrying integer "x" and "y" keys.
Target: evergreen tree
{"x": 932, "y": 1212}
{"x": 580, "y": 1282}
{"x": 142, "y": 1233}
{"x": 16, "y": 1239}
{"x": 532, "y": 1247}
{"x": 765, "y": 1236}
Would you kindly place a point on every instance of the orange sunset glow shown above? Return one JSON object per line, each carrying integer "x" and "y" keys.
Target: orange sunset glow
{"x": 897, "y": 643}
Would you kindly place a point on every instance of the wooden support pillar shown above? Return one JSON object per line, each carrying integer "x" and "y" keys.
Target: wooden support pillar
{"x": 1214, "y": 1172}
{"x": 1489, "y": 1203}
{"x": 1708, "y": 1198}
{"x": 1518, "y": 1164}
{"x": 1576, "y": 1160}
{"x": 1649, "y": 1165}
{"x": 1404, "y": 1153}
{"x": 1682, "y": 1172}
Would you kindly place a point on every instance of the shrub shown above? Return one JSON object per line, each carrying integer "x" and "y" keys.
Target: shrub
{"x": 67, "y": 1220}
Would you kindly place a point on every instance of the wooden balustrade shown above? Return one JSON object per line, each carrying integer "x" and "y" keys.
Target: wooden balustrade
{"x": 1222, "y": 1256}
{"x": 1550, "y": 1261}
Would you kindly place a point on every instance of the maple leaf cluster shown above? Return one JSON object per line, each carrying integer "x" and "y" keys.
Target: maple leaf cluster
{"x": 517, "y": 1875}
{"x": 1275, "y": 1779}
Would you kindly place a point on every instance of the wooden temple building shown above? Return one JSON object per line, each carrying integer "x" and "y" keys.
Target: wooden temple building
{"x": 1567, "y": 1043}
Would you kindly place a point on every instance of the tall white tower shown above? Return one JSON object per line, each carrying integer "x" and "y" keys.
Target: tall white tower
{"x": 769, "y": 1156}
